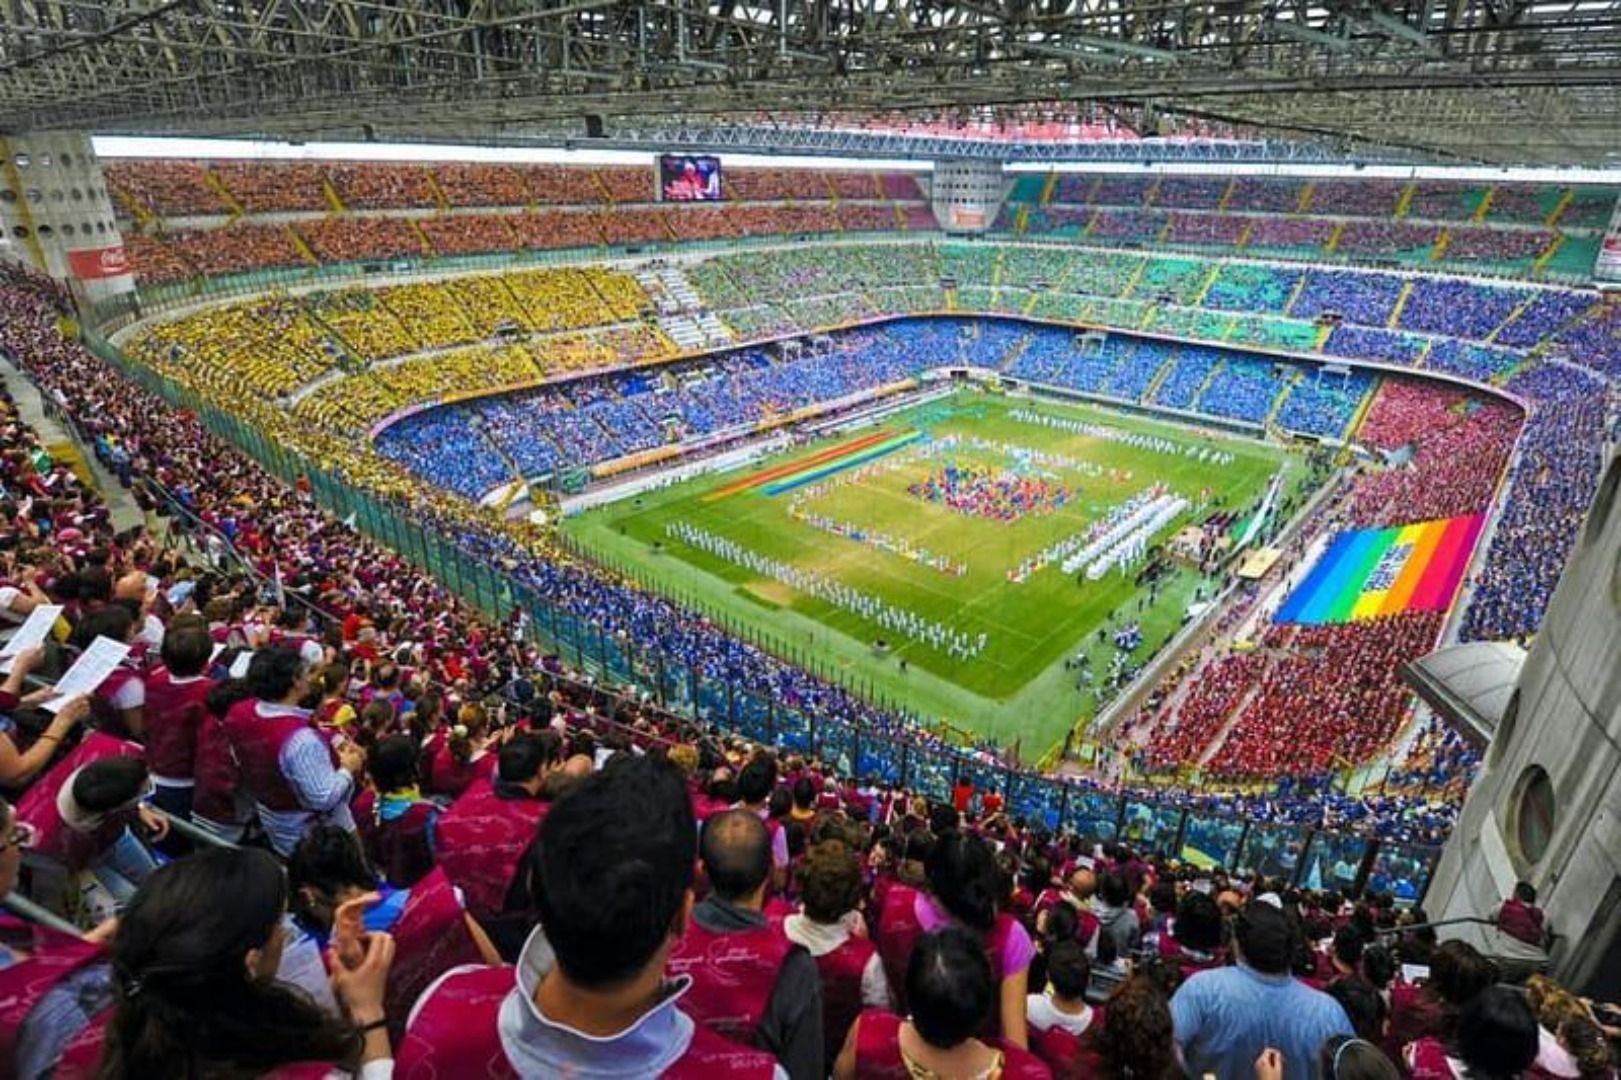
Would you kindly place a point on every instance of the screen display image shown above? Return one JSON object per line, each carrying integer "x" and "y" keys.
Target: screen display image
{"x": 689, "y": 178}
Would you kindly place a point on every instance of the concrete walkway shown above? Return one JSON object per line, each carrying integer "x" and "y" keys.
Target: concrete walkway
{"x": 124, "y": 511}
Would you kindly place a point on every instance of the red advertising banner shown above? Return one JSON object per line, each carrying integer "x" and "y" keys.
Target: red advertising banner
{"x": 98, "y": 263}
{"x": 967, "y": 219}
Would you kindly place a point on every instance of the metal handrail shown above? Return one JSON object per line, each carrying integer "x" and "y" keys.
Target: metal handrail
{"x": 192, "y": 831}
{"x": 24, "y": 908}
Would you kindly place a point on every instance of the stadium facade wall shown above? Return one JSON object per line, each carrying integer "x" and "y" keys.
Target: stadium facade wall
{"x": 1547, "y": 808}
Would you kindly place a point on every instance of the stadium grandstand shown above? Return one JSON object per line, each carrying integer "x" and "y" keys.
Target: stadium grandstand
{"x": 920, "y": 540}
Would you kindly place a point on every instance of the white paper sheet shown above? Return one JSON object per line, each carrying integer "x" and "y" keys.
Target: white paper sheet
{"x": 89, "y": 671}
{"x": 34, "y": 630}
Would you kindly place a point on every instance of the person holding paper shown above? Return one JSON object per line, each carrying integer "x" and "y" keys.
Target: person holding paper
{"x": 19, "y": 595}
{"x": 119, "y": 698}
{"x": 17, "y": 767}
{"x": 291, "y": 772}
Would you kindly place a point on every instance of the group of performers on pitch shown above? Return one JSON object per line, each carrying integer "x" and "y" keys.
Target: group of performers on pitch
{"x": 860, "y": 534}
{"x": 978, "y": 491}
{"x": 957, "y": 644}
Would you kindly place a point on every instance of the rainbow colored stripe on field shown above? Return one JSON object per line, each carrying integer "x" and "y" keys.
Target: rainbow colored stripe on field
{"x": 820, "y": 465}
{"x": 1366, "y": 573}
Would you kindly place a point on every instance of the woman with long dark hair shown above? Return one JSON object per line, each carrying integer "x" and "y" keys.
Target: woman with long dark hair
{"x": 965, "y": 889}
{"x": 194, "y": 961}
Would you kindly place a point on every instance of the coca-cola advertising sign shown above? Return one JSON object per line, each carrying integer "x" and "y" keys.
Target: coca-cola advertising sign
{"x": 98, "y": 263}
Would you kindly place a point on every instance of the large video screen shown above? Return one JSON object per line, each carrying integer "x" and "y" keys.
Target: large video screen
{"x": 689, "y": 178}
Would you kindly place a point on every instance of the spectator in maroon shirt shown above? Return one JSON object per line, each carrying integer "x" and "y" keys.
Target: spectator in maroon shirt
{"x": 1520, "y": 918}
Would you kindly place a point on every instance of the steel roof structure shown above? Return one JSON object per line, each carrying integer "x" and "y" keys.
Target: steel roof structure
{"x": 1495, "y": 81}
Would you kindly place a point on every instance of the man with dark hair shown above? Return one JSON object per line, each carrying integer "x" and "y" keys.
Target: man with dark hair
{"x": 482, "y": 835}
{"x": 1117, "y": 919}
{"x": 286, "y": 766}
{"x": 1345, "y": 954}
{"x": 176, "y": 697}
{"x": 611, "y": 876}
{"x": 749, "y": 982}
{"x": 1520, "y": 918}
{"x": 1225, "y": 1017}
{"x": 754, "y": 787}
{"x": 1063, "y": 1027}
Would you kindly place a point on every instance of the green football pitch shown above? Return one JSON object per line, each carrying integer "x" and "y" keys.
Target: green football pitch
{"x": 787, "y": 570}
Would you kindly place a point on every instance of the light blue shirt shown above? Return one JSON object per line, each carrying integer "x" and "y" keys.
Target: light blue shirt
{"x": 323, "y": 790}
{"x": 1224, "y": 1018}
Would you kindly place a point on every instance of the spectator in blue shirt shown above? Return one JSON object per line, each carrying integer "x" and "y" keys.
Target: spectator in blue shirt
{"x": 1224, "y": 1018}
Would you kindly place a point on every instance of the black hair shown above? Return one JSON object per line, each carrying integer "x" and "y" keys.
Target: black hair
{"x": 612, "y": 867}
{"x": 1264, "y": 939}
{"x": 187, "y": 646}
{"x": 1346, "y": 1058}
{"x": 1062, "y": 925}
{"x": 735, "y": 847}
{"x": 804, "y": 792}
{"x": 273, "y": 672}
{"x": 1525, "y": 892}
{"x": 756, "y": 781}
{"x": 949, "y": 987}
{"x": 1114, "y": 889}
{"x": 1363, "y": 1004}
{"x": 1348, "y": 943}
{"x": 524, "y": 756}
{"x": 112, "y": 621}
{"x": 392, "y": 763}
{"x": 1378, "y": 965}
{"x": 225, "y": 693}
{"x": 326, "y": 862}
{"x": 108, "y": 783}
{"x": 1198, "y": 922}
{"x": 1068, "y": 969}
{"x": 963, "y": 875}
{"x": 94, "y": 582}
{"x": 1497, "y": 1034}
{"x": 1458, "y": 972}
{"x": 185, "y": 1005}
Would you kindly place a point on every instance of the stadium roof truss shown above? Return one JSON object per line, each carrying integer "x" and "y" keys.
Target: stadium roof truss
{"x": 1501, "y": 81}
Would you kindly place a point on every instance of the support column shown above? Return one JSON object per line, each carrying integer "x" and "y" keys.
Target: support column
{"x": 57, "y": 217}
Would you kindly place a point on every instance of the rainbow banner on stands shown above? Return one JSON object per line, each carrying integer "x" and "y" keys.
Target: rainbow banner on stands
{"x": 1371, "y": 572}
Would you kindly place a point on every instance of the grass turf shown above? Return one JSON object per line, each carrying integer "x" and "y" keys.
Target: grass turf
{"x": 1017, "y": 689}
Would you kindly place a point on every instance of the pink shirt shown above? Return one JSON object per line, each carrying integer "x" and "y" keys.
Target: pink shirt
{"x": 1017, "y": 950}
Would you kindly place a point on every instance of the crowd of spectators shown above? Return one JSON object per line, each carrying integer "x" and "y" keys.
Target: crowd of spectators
{"x": 1249, "y": 287}
{"x": 1453, "y": 468}
{"x": 1345, "y": 676}
{"x": 1192, "y": 367}
{"x": 1403, "y": 241}
{"x": 1323, "y": 403}
{"x": 362, "y": 239}
{"x": 1554, "y": 476}
{"x": 1406, "y": 410}
{"x": 1212, "y": 230}
{"x": 1459, "y": 308}
{"x": 1488, "y": 245}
